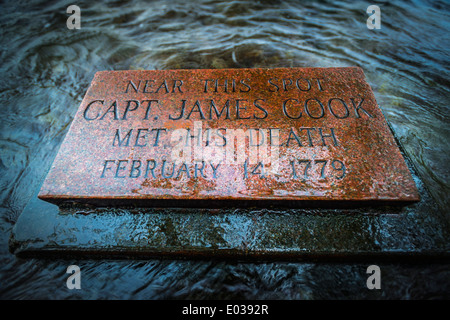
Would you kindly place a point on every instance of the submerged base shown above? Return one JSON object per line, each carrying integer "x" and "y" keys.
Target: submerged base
{"x": 415, "y": 231}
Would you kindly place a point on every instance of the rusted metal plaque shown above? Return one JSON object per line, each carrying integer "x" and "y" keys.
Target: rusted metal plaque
{"x": 314, "y": 134}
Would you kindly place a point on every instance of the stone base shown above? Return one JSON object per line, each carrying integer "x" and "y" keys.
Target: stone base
{"x": 415, "y": 231}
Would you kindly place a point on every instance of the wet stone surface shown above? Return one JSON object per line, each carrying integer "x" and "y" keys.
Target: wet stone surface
{"x": 414, "y": 232}
{"x": 293, "y": 135}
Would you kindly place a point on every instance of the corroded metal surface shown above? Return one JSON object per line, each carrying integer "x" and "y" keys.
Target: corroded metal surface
{"x": 235, "y": 134}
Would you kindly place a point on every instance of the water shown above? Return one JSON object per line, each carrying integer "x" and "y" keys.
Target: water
{"x": 47, "y": 68}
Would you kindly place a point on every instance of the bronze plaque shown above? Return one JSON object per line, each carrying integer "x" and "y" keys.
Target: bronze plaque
{"x": 313, "y": 134}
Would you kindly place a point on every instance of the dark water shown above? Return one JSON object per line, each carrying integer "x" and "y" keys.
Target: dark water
{"x": 47, "y": 68}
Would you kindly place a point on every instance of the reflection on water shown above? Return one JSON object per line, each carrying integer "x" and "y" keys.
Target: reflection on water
{"x": 47, "y": 68}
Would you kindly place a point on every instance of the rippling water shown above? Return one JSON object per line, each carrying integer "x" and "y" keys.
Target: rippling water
{"x": 47, "y": 68}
